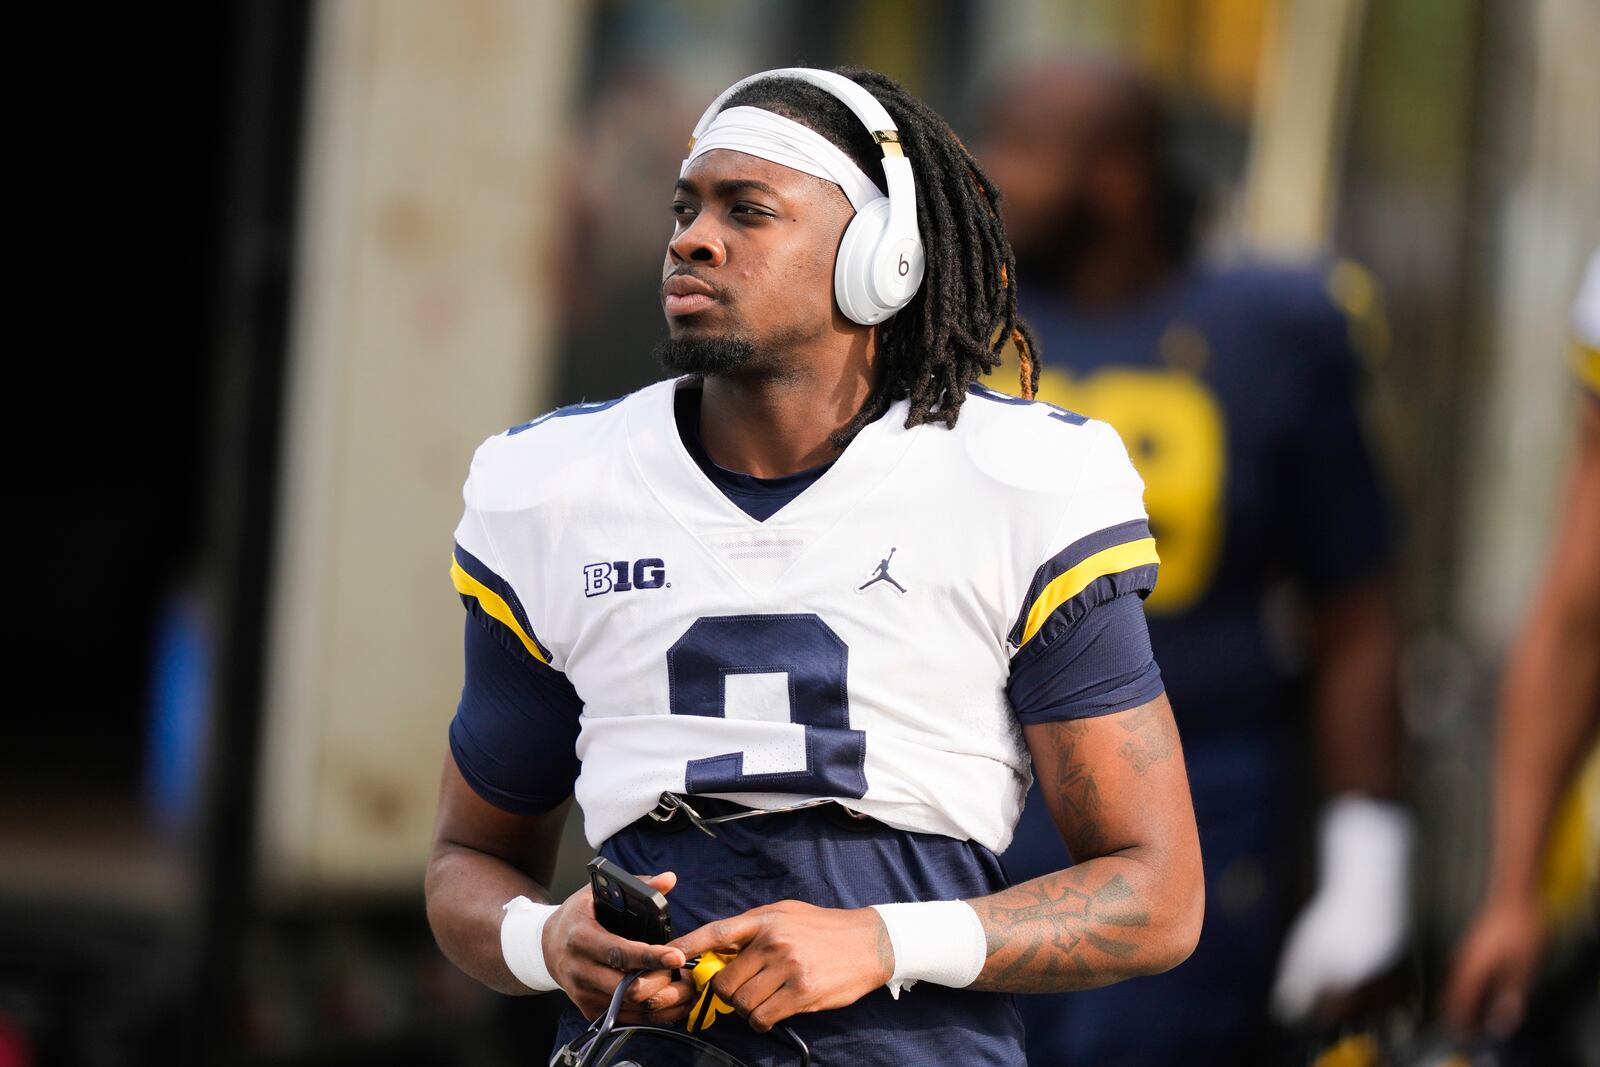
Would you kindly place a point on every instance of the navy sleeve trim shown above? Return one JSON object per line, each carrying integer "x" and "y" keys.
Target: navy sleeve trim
{"x": 1104, "y": 664}
{"x": 1136, "y": 583}
{"x": 467, "y": 756}
{"x": 515, "y": 731}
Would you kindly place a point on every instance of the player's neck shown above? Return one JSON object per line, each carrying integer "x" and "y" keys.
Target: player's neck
{"x": 769, "y": 426}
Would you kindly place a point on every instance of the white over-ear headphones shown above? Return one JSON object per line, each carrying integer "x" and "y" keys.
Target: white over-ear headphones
{"x": 880, "y": 262}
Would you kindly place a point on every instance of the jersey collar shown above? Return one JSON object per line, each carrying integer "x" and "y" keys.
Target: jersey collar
{"x": 685, "y": 491}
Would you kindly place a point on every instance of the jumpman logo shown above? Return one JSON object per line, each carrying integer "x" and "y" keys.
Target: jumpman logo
{"x": 881, "y": 574}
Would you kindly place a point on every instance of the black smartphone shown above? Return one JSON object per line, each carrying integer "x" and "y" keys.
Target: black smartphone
{"x": 627, "y": 906}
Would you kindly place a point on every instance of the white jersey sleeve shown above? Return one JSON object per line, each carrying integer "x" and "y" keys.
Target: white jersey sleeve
{"x": 476, "y": 569}
{"x": 1106, "y": 548}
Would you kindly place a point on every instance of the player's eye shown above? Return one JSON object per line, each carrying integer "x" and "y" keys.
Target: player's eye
{"x": 752, "y": 211}
{"x": 681, "y": 210}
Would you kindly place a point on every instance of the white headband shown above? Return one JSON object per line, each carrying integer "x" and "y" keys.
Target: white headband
{"x": 757, "y": 132}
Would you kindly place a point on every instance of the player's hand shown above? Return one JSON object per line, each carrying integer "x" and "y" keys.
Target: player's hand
{"x": 1356, "y": 924}
{"x": 588, "y": 961}
{"x": 1499, "y": 955}
{"x": 794, "y": 958}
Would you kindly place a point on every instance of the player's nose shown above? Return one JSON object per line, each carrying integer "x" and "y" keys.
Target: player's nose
{"x": 698, "y": 242}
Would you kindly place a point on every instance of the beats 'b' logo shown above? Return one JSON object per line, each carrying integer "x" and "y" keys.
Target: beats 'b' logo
{"x": 621, "y": 576}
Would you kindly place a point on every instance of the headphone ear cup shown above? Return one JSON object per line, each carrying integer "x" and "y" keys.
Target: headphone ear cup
{"x": 873, "y": 277}
{"x": 853, "y": 271}
{"x": 897, "y": 270}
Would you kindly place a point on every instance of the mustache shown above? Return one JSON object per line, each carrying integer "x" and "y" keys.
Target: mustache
{"x": 686, "y": 271}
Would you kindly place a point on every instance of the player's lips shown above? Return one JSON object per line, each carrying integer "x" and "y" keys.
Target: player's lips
{"x": 684, "y": 294}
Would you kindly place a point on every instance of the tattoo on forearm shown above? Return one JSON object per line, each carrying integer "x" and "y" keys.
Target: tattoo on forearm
{"x": 1087, "y": 925}
{"x": 885, "y": 949}
{"x": 1155, "y": 737}
{"x": 1076, "y": 786}
{"x": 1045, "y": 934}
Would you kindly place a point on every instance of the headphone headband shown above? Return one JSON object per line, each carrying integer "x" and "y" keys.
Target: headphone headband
{"x": 853, "y": 96}
{"x": 880, "y": 262}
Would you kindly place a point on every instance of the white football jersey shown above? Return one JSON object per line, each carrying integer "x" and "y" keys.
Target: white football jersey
{"x": 855, "y": 645}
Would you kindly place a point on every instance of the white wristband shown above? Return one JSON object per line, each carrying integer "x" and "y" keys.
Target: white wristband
{"x": 522, "y": 942}
{"x": 938, "y": 941}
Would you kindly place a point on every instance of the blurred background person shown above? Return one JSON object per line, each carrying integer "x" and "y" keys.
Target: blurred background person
{"x": 1239, "y": 394}
{"x": 1549, "y": 708}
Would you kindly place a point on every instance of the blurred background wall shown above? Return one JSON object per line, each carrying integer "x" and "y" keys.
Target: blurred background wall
{"x": 341, "y": 242}
{"x": 435, "y": 141}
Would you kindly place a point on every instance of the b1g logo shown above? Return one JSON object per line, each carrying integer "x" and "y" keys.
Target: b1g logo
{"x": 621, "y": 576}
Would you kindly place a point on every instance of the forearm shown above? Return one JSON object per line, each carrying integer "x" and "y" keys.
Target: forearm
{"x": 1547, "y": 712}
{"x": 1117, "y": 791}
{"x": 1354, "y": 699}
{"x": 1092, "y": 924}
{"x": 466, "y": 891}
{"x": 1551, "y": 697}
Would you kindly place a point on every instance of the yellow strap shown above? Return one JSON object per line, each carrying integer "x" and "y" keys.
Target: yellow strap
{"x": 495, "y": 605}
{"x": 1074, "y": 580}
{"x": 704, "y": 1013}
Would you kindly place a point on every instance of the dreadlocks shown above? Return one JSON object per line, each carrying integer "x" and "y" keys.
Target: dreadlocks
{"x": 956, "y": 326}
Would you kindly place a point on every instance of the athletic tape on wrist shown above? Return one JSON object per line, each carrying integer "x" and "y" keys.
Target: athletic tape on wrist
{"x": 522, "y": 942}
{"x": 938, "y": 941}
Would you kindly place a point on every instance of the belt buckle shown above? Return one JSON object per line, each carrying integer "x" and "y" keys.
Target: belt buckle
{"x": 666, "y": 807}
{"x": 670, "y": 805}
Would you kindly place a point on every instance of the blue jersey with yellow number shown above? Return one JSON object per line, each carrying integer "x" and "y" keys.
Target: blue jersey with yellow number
{"x": 1237, "y": 392}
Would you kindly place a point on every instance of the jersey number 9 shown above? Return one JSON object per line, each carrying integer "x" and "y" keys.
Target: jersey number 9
{"x": 812, "y": 659}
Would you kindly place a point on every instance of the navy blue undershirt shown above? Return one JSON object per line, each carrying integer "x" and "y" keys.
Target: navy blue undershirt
{"x": 759, "y": 498}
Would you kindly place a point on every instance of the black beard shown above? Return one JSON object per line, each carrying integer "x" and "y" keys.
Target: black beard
{"x": 715, "y": 355}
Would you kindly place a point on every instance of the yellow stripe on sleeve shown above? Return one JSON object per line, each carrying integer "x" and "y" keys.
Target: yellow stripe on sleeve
{"x": 1071, "y": 582}
{"x": 495, "y": 605}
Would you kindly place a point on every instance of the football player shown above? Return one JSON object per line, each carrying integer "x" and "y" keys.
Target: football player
{"x": 1237, "y": 388}
{"x": 1549, "y": 710}
{"x": 825, "y": 586}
